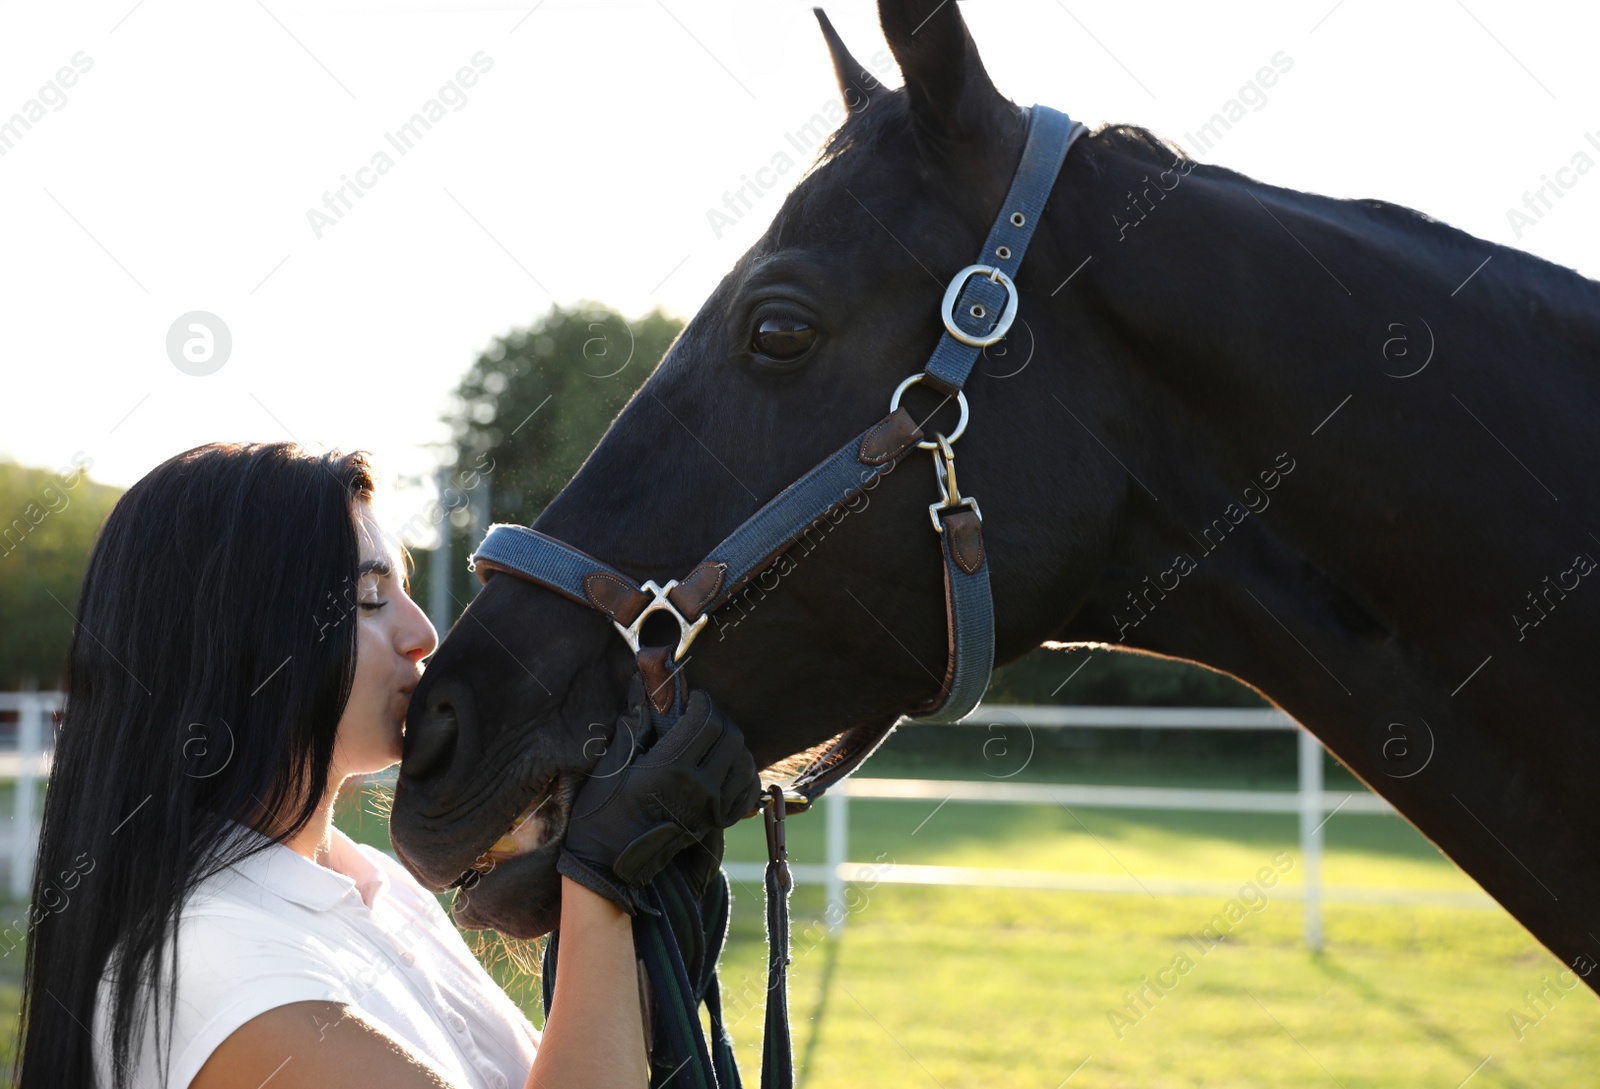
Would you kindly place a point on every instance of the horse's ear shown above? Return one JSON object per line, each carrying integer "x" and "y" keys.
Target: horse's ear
{"x": 950, "y": 93}
{"x": 855, "y": 82}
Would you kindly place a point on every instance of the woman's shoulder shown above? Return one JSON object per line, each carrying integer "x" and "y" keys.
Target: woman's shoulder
{"x": 233, "y": 938}
{"x": 236, "y": 958}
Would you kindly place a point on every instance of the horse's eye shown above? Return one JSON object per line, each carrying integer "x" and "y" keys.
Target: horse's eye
{"x": 783, "y": 339}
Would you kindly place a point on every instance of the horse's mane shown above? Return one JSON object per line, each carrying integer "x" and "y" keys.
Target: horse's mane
{"x": 887, "y": 115}
{"x": 1143, "y": 145}
{"x": 885, "y": 111}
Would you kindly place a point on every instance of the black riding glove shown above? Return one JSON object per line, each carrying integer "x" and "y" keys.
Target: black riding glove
{"x": 647, "y": 798}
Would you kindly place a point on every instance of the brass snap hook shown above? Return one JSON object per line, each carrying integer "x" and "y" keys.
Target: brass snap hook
{"x": 944, "y": 472}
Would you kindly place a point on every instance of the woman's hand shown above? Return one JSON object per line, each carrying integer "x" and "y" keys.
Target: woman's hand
{"x": 644, "y": 802}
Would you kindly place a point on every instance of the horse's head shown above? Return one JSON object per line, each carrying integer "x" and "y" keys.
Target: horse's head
{"x": 797, "y": 350}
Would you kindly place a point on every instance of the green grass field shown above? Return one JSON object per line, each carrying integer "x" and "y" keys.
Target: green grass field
{"x": 995, "y": 988}
{"x": 945, "y": 987}
{"x": 956, "y": 987}
{"x": 941, "y": 986}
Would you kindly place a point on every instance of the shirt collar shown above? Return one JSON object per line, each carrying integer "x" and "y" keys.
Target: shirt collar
{"x": 285, "y": 873}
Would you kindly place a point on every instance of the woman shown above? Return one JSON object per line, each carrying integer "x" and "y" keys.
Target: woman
{"x": 245, "y": 645}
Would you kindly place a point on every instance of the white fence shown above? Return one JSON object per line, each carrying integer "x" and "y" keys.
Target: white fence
{"x": 26, "y": 765}
{"x": 1310, "y": 801}
{"x": 1314, "y": 805}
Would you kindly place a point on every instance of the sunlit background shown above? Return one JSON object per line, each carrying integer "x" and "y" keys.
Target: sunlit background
{"x": 585, "y": 162}
{"x": 589, "y": 172}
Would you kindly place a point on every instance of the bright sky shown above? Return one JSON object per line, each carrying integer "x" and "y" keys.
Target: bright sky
{"x": 177, "y": 172}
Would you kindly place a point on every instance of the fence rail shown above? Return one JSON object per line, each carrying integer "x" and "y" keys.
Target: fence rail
{"x": 1310, "y": 802}
{"x": 31, "y": 761}
{"x": 1111, "y": 797}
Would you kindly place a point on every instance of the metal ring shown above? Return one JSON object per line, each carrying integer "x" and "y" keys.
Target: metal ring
{"x": 660, "y": 603}
{"x": 961, "y": 403}
{"x": 953, "y": 292}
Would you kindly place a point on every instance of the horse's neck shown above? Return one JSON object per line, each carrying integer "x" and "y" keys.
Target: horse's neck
{"x": 1263, "y": 335}
{"x": 1376, "y": 580}
{"x": 1351, "y": 542}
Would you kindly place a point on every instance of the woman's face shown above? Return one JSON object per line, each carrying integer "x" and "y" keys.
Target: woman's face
{"x": 392, "y": 637}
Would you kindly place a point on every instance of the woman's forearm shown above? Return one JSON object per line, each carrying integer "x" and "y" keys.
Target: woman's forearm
{"x": 594, "y": 1035}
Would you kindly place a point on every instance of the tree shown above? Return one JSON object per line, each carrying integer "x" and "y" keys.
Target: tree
{"x": 529, "y": 411}
{"x": 49, "y": 527}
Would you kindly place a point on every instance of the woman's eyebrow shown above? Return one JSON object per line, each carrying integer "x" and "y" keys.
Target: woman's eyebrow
{"x": 376, "y": 567}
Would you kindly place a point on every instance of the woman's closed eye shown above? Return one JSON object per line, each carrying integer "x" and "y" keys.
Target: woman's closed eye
{"x": 372, "y": 574}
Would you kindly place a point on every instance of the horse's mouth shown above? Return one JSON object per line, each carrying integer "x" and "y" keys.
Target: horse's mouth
{"x": 542, "y": 821}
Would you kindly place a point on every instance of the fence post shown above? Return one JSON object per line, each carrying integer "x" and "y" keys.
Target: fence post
{"x": 837, "y": 804}
{"x": 439, "y": 567}
{"x": 29, "y": 712}
{"x": 479, "y": 505}
{"x": 1311, "y": 836}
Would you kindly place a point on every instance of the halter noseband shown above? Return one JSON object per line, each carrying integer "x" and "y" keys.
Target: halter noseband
{"x": 978, "y": 309}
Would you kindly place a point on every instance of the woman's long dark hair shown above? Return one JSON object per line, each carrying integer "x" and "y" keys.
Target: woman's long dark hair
{"x": 211, "y": 662}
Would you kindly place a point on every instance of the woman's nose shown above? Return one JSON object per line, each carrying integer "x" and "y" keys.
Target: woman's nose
{"x": 418, "y": 639}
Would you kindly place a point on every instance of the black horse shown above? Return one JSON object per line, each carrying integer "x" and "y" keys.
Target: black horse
{"x": 1332, "y": 448}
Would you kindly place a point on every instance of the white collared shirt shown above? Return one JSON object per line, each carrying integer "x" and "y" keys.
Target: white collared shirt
{"x": 279, "y": 928}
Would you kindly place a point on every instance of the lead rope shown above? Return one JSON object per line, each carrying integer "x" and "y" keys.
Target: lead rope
{"x": 681, "y": 979}
{"x": 777, "y": 1049}
{"x": 680, "y": 983}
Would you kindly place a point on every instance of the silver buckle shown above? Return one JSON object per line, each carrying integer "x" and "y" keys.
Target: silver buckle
{"x": 659, "y": 603}
{"x": 953, "y": 292}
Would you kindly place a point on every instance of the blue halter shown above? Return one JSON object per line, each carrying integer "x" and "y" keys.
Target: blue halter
{"x": 979, "y": 307}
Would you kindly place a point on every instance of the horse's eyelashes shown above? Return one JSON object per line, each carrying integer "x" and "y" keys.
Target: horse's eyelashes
{"x": 782, "y": 339}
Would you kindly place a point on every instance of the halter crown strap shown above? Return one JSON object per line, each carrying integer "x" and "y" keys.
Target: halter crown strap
{"x": 981, "y": 302}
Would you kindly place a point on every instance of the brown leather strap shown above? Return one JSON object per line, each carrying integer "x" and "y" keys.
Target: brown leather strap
{"x": 694, "y": 593}
{"x": 660, "y": 682}
{"x": 620, "y": 600}
{"x": 889, "y": 439}
{"x": 963, "y": 530}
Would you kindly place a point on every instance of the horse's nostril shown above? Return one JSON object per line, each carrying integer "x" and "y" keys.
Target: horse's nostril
{"x": 430, "y": 743}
